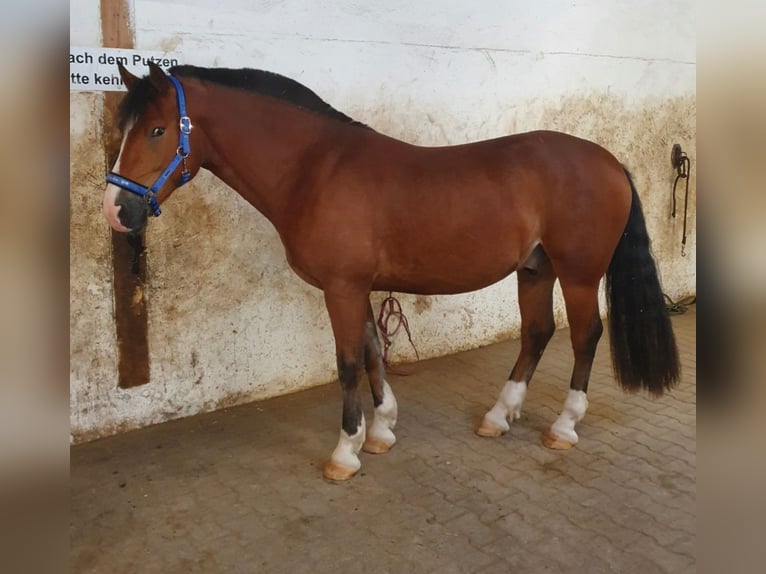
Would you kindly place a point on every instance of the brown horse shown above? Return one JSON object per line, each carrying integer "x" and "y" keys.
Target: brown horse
{"x": 358, "y": 211}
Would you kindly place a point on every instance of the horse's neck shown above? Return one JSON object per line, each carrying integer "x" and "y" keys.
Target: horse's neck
{"x": 257, "y": 145}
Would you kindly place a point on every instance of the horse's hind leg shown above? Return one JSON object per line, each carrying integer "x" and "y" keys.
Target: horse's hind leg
{"x": 537, "y": 327}
{"x": 347, "y": 309}
{"x": 380, "y": 436}
{"x": 585, "y": 327}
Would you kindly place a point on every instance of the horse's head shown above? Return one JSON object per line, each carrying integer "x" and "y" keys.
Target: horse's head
{"x": 155, "y": 155}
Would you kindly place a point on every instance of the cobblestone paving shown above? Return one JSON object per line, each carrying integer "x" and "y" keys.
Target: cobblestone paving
{"x": 240, "y": 490}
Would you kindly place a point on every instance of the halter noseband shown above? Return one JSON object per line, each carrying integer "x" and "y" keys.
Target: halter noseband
{"x": 182, "y": 152}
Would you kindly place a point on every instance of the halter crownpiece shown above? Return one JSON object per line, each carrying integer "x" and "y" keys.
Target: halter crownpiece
{"x": 182, "y": 152}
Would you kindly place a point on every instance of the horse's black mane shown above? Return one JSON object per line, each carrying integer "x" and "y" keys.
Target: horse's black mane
{"x": 259, "y": 81}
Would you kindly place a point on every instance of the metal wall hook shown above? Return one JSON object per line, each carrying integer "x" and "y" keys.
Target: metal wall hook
{"x": 678, "y": 157}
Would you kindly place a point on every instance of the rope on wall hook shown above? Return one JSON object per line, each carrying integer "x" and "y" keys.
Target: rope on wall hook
{"x": 682, "y": 165}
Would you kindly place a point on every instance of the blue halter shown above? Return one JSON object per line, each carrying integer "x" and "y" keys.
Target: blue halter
{"x": 184, "y": 148}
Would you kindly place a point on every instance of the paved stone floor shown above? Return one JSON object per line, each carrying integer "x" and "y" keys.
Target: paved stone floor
{"x": 241, "y": 490}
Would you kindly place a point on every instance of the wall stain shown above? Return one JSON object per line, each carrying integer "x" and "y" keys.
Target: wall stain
{"x": 421, "y": 303}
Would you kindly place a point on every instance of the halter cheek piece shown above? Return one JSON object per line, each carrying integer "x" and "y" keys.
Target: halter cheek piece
{"x": 184, "y": 148}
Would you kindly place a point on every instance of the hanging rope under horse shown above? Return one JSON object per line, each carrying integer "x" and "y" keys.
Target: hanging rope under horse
{"x": 391, "y": 309}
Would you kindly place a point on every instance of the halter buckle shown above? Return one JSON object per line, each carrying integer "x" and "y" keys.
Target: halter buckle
{"x": 185, "y": 125}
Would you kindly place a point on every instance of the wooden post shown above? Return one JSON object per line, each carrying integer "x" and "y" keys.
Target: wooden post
{"x": 130, "y": 309}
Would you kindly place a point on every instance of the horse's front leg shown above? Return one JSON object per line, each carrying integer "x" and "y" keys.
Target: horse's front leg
{"x": 348, "y": 308}
{"x": 380, "y": 436}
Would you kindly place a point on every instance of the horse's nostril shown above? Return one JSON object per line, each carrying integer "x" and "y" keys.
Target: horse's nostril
{"x": 133, "y": 213}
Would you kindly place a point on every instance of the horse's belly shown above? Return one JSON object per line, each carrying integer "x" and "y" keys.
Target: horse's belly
{"x": 456, "y": 260}
{"x": 445, "y": 275}
{"x": 436, "y": 286}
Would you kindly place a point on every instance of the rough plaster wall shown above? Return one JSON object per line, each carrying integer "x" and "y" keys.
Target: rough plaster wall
{"x": 93, "y": 369}
{"x": 229, "y": 322}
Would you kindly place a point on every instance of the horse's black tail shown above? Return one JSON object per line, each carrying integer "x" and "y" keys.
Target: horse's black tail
{"x": 644, "y": 352}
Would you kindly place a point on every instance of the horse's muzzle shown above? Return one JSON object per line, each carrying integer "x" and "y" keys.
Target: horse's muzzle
{"x": 126, "y": 211}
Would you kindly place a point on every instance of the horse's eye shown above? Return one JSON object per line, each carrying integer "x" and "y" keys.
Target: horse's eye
{"x": 157, "y": 132}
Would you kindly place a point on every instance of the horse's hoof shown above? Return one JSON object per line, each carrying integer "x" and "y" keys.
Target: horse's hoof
{"x": 490, "y": 430}
{"x": 334, "y": 471}
{"x": 553, "y": 441}
{"x": 375, "y": 446}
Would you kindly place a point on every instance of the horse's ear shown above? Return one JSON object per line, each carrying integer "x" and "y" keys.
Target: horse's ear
{"x": 127, "y": 78}
{"x": 158, "y": 78}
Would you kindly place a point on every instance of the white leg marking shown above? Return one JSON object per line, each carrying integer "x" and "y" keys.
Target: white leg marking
{"x": 345, "y": 454}
{"x": 574, "y": 410}
{"x": 508, "y": 405}
{"x": 111, "y": 211}
{"x": 385, "y": 417}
